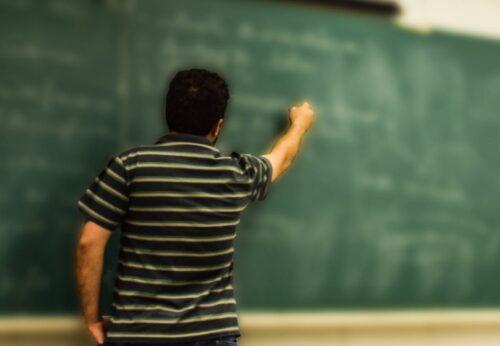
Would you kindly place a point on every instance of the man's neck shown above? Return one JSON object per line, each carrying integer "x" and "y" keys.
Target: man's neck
{"x": 209, "y": 137}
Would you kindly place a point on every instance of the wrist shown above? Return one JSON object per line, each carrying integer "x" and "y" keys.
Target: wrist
{"x": 298, "y": 128}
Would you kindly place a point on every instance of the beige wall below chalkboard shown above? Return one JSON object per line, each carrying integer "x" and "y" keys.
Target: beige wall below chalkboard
{"x": 409, "y": 328}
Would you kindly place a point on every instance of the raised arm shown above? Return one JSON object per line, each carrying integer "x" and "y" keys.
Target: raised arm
{"x": 89, "y": 261}
{"x": 286, "y": 148}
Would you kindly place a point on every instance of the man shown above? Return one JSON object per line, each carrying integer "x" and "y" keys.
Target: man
{"x": 178, "y": 202}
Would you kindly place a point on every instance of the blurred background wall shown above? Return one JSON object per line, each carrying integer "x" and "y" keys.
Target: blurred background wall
{"x": 385, "y": 232}
{"x": 475, "y": 18}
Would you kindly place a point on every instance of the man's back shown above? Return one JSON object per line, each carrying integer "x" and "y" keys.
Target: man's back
{"x": 179, "y": 202}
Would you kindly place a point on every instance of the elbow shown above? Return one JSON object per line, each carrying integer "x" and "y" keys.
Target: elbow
{"x": 280, "y": 162}
{"x": 88, "y": 246}
{"x": 287, "y": 163}
{"x": 85, "y": 243}
{"x": 92, "y": 237}
{"x": 280, "y": 168}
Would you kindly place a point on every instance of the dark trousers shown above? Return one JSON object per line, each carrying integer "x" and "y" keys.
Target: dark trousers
{"x": 223, "y": 341}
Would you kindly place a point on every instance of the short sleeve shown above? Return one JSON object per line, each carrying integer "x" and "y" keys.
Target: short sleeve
{"x": 259, "y": 171}
{"x": 105, "y": 201}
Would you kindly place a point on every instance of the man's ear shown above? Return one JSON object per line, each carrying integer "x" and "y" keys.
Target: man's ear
{"x": 216, "y": 129}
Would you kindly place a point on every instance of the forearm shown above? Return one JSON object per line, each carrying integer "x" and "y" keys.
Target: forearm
{"x": 285, "y": 150}
{"x": 90, "y": 261}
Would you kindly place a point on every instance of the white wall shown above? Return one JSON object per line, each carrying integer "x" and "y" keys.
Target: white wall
{"x": 470, "y": 17}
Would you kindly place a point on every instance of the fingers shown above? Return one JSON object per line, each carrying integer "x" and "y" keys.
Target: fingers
{"x": 99, "y": 337}
{"x": 97, "y": 331}
{"x": 303, "y": 104}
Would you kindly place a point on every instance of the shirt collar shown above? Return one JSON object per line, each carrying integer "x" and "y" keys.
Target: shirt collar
{"x": 185, "y": 137}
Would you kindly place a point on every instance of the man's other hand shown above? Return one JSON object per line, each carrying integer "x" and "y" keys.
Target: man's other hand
{"x": 97, "y": 331}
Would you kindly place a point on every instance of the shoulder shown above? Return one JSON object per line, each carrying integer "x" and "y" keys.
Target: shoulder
{"x": 131, "y": 154}
{"x": 248, "y": 159}
{"x": 258, "y": 170}
{"x": 252, "y": 163}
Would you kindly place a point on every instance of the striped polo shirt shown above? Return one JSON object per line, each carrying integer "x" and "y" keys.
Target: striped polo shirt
{"x": 178, "y": 203}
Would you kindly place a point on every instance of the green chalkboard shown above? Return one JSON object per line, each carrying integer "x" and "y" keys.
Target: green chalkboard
{"x": 393, "y": 201}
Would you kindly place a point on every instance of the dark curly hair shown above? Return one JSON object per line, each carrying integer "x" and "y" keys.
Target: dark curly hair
{"x": 195, "y": 101}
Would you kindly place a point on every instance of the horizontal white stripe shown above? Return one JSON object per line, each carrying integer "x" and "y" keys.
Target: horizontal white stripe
{"x": 181, "y": 239}
{"x": 182, "y": 224}
{"x": 191, "y": 194}
{"x": 188, "y": 209}
{"x": 103, "y": 202}
{"x": 190, "y": 180}
{"x": 127, "y": 307}
{"x": 126, "y": 293}
{"x": 176, "y": 320}
{"x": 169, "y": 282}
{"x": 175, "y": 268}
{"x": 95, "y": 214}
{"x": 177, "y": 253}
{"x": 176, "y": 154}
{"x": 163, "y": 335}
{"x": 183, "y": 166}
